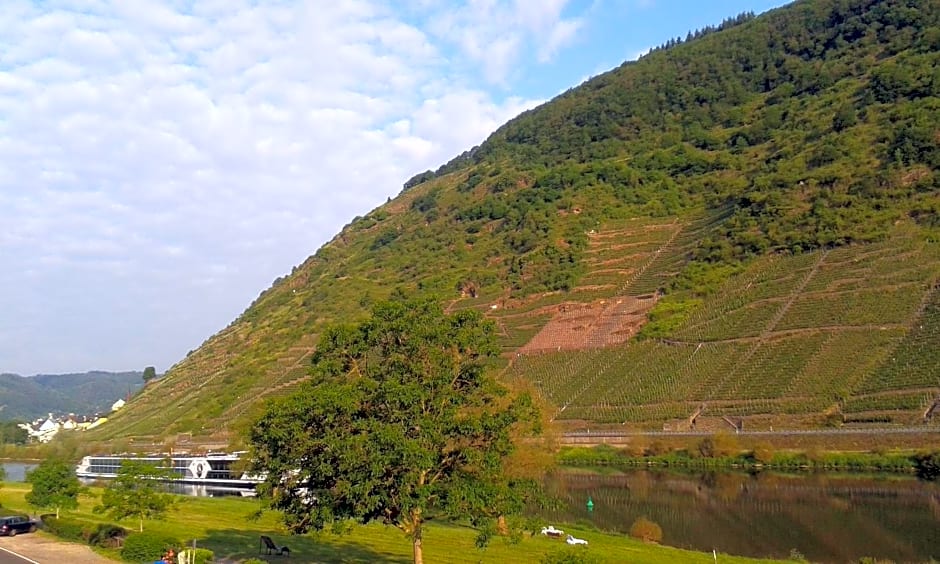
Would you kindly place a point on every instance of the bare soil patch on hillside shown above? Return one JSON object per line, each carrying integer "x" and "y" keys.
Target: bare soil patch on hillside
{"x": 590, "y": 326}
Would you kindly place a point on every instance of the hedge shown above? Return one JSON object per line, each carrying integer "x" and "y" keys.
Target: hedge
{"x": 147, "y": 546}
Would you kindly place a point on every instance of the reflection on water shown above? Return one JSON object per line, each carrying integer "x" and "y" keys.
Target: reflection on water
{"x": 198, "y": 490}
{"x": 826, "y": 518}
{"x": 195, "y": 490}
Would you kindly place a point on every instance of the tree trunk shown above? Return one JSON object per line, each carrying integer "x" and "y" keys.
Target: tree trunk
{"x": 416, "y": 538}
{"x": 57, "y": 512}
{"x": 141, "y": 524}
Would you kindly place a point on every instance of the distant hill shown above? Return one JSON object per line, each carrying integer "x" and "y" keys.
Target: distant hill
{"x": 740, "y": 228}
{"x": 27, "y": 398}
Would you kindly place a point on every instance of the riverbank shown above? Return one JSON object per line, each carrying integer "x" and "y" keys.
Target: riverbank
{"x": 837, "y": 439}
{"x": 224, "y": 526}
{"x": 726, "y": 452}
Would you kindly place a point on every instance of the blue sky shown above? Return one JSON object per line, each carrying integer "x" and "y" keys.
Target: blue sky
{"x": 162, "y": 162}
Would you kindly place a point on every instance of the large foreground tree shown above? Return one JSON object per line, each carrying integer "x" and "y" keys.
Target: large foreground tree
{"x": 55, "y": 486}
{"x": 402, "y": 422}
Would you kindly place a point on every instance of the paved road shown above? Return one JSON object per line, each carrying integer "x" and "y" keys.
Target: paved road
{"x": 7, "y": 556}
{"x": 39, "y": 548}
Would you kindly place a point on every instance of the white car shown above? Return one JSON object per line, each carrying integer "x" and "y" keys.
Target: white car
{"x": 572, "y": 540}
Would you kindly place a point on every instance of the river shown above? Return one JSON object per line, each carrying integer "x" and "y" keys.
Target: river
{"x": 16, "y": 471}
{"x": 824, "y": 518}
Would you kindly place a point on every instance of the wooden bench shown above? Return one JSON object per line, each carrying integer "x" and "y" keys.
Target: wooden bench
{"x": 269, "y": 547}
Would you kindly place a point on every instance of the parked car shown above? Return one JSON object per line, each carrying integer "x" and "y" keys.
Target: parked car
{"x": 13, "y": 524}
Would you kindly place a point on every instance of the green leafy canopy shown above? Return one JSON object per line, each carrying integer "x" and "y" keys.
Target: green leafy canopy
{"x": 55, "y": 485}
{"x": 138, "y": 492}
{"x": 401, "y": 423}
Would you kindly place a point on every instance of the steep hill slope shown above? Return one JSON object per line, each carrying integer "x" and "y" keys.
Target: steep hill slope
{"x": 83, "y": 394}
{"x": 774, "y": 179}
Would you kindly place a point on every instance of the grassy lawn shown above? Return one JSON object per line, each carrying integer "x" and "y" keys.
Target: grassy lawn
{"x": 223, "y": 526}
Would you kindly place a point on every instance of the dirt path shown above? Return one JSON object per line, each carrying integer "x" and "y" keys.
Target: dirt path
{"x": 47, "y": 549}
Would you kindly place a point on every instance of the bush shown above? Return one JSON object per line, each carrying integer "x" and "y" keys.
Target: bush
{"x": 107, "y": 535}
{"x": 202, "y": 556}
{"x": 656, "y": 448}
{"x": 646, "y": 530}
{"x": 65, "y": 528}
{"x": 927, "y": 465}
{"x": 254, "y": 561}
{"x": 727, "y": 444}
{"x": 763, "y": 453}
{"x": 147, "y": 546}
{"x": 707, "y": 447}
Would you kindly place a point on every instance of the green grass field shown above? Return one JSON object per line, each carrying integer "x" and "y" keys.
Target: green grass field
{"x": 223, "y": 526}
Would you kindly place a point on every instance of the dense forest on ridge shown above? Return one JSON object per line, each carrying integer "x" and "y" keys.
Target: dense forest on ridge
{"x": 27, "y": 398}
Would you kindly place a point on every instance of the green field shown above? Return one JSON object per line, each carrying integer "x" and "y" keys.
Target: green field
{"x": 223, "y": 525}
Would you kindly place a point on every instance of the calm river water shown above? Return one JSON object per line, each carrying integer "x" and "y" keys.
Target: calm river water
{"x": 16, "y": 471}
{"x": 830, "y": 518}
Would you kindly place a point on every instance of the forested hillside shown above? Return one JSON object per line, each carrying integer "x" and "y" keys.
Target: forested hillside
{"x": 27, "y": 398}
{"x": 709, "y": 231}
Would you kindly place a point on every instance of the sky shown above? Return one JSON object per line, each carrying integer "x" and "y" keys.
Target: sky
{"x": 162, "y": 162}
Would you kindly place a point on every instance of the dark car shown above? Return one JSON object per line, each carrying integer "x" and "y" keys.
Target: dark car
{"x": 13, "y": 524}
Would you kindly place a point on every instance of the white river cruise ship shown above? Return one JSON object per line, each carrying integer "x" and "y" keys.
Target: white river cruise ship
{"x": 213, "y": 469}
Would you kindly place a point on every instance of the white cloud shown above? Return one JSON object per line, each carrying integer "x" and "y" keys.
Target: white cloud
{"x": 159, "y": 166}
{"x": 562, "y": 34}
{"x": 495, "y": 33}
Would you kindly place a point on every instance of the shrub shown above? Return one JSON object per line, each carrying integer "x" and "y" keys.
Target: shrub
{"x": 646, "y": 530}
{"x": 147, "y": 546}
{"x": 763, "y": 453}
{"x": 927, "y": 465}
{"x": 108, "y": 535}
{"x": 65, "y": 528}
{"x": 254, "y": 561}
{"x": 707, "y": 447}
{"x": 202, "y": 555}
{"x": 656, "y": 448}
{"x": 725, "y": 445}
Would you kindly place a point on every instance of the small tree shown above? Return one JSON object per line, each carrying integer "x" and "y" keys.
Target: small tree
{"x": 763, "y": 453}
{"x": 401, "y": 423}
{"x": 646, "y": 530}
{"x": 927, "y": 465}
{"x": 137, "y": 492}
{"x": 12, "y": 433}
{"x": 718, "y": 445}
{"x": 55, "y": 485}
{"x": 149, "y": 373}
